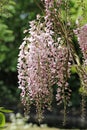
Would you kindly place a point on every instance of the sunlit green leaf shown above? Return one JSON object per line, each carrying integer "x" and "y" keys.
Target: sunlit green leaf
{"x": 7, "y": 8}
{"x": 2, "y": 109}
{"x": 6, "y": 111}
{"x": 73, "y": 69}
{"x": 2, "y": 119}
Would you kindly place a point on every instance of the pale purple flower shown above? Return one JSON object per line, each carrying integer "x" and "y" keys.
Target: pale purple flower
{"x": 41, "y": 64}
{"x": 82, "y": 40}
{"x": 45, "y": 59}
{"x": 81, "y": 34}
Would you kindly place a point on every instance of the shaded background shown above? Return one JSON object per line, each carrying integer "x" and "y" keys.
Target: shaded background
{"x": 14, "y": 19}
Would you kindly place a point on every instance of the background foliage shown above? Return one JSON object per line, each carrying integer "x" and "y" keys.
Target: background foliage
{"x": 14, "y": 18}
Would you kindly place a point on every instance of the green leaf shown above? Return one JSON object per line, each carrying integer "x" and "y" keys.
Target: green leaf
{"x": 1, "y": 107}
{"x": 2, "y": 57}
{"x": 82, "y": 91}
{"x": 73, "y": 69}
{"x": 2, "y": 119}
{"x": 6, "y": 34}
{"x": 3, "y": 48}
{"x": 7, "y": 7}
{"x": 5, "y": 110}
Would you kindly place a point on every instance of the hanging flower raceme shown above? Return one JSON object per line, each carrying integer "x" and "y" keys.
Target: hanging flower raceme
{"x": 41, "y": 64}
{"x": 82, "y": 40}
{"x": 45, "y": 58}
{"x": 34, "y": 67}
{"x": 63, "y": 73}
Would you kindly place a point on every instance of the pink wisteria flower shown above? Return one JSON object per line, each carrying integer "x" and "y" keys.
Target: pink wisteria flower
{"x": 46, "y": 55}
{"x": 82, "y": 40}
{"x": 41, "y": 64}
{"x": 81, "y": 34}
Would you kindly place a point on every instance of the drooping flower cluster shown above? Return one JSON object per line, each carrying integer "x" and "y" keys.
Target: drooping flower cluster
{"x": 50, "y": 10}
{"x": 45, "y": 56}
{"x": 82, "y": 70}
{"x": 82, "y": 40}
{"x": 41, "y": 64}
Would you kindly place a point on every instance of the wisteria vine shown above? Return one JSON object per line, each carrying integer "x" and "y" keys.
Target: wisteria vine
{"x": 47, "y": 55}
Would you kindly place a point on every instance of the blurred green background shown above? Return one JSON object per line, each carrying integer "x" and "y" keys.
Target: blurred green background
{"x": 14, "y": 19}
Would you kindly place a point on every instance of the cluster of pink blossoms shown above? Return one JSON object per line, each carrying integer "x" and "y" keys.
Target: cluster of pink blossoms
{"x": 82, "y": 40}
{"x": 44, "y": 59}
{"x": 41, "y": 64}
